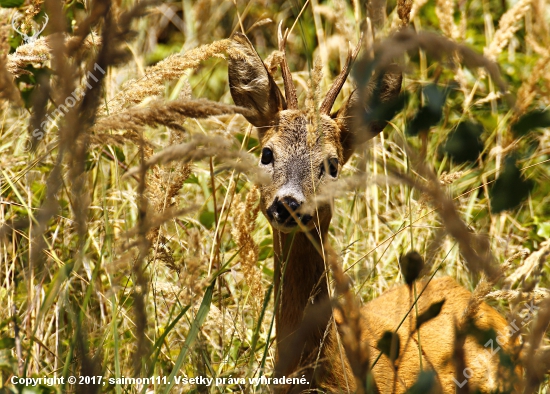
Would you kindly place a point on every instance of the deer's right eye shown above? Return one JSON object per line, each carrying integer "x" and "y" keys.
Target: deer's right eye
{"x": 267, "y": 156}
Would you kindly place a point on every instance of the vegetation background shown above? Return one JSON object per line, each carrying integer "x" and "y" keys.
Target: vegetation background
{"x": 116, "y": 268}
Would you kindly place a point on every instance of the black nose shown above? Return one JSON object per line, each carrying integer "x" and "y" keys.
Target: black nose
{"x": 278, "y": 210}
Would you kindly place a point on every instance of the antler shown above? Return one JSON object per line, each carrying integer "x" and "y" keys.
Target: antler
{"x": 290, "y": 89}
{"x": 36, "y": 32}
{"x": 15, "y": 18}
{"x": 328, "y": 102}
{"x": 47, "y": 19}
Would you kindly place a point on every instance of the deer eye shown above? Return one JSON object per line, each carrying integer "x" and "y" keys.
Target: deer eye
{"x": 267, "y": 156}
{"x": 332, "y": 165}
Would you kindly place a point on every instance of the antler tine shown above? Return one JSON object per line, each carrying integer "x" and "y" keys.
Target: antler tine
{"x": 290, "y": 89}
{"x": 46, "y": 20}
{"x": 334, "y": 90}
{"x": 15, "y": 18}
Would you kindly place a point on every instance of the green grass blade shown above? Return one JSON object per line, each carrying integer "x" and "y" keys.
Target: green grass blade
{"x": 193, "y": 332}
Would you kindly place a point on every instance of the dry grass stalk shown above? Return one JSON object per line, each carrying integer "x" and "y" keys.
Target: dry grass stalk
{"x": 447, "y": 179}
{"x": 534, "y": 370}
{"x": 120, "y": 139}
{"x": 8, "y": 90}
{"x": 347, "y": 314}
{"x": 480, "y": 293}
{"x": 507, "y": 27}
{"x": 416, "y": 6}
{"x": 312, "y": 98}
{"x": 444, "y": 10}
{"x": 163, "y": 187}
{"x": 171, "y": 68}
{"x": 5, "y": 30}
{"x": 528, "y": 273}
{"x": 537, "y": 295}
{"x": 245, "y": 222}
{"x": 528, "y": 90}
{"x": 205, "y": 146}
{"x": 273, "y": 60}
{"x": 404, "y": 11}
{"x": 474, "y": 248}
{"x": 171, "y": 114}
{"x": 194, "y": 262}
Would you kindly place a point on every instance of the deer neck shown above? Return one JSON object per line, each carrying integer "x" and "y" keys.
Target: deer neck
{"x": 303, "y": 310}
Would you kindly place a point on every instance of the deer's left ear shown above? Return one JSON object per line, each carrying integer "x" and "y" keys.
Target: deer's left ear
{"x": 251, "y": 84}
{"x": 361, "y": 121}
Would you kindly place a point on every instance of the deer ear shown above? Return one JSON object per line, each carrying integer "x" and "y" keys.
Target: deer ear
{"x": 251, "y": 84}
{"x": 359, "y": 120}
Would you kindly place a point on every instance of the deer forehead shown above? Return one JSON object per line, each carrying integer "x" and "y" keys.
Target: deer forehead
{"x": 297, "y": 133}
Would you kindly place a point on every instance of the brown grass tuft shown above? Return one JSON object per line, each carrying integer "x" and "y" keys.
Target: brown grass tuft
{"x": 245, "y": 222}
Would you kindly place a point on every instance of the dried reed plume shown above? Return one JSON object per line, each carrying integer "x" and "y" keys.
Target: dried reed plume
{"x": 529, "y": 272}
{"x": 444, "y": 10}
{"x": 537, "y": 295}
{"x": 171, "y": 114}
{"x": 39, "y": 53}
{"x": 312, "y": 99}
{"x": 507, "y": 27}
{"x": 245, "y": 221}
{"x": 152, "y": 83}
{"x": 8, "y": 90}
{"x": 404, "y": 11}
{"x": 528, "y": 90}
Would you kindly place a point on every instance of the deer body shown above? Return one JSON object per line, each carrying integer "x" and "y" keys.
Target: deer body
{"x": 303, "y": 153}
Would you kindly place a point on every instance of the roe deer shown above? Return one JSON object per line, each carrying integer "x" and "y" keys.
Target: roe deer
{"x": 297, "y": 166}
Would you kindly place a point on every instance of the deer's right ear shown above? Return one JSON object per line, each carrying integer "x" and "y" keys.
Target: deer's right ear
{"x": 251, "y": 84}
{"x": 360, "y": 121}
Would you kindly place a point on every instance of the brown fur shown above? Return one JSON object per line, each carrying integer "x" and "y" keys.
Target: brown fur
{"x": 307, "y": 342}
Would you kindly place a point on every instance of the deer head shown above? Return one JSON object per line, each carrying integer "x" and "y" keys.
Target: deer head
{"x": 36, "y": 29}
{"x": 299, "y": 151}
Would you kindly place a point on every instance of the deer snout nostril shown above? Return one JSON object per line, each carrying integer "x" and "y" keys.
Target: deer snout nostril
{"x": 281, "y": 208}
{"x": 291, "y": 203}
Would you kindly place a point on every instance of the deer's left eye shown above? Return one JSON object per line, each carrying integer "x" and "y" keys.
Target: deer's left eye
{"x": 267, "y": 156}
{"x": 332, "y": 166}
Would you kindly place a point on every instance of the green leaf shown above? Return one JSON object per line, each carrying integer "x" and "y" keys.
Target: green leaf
{"x": 207, "y": 218}
{"x": 7, "y": 343}
{"x": 510, "y": 189}
{"x": 543, "y": 228}
{"x": 382, "y": 113}
{"x": 192, "y": 335}
{"x": 158, "y": 343}
{"x": 389, "y": 345}
{"x": 431, "y": 113}
{"x": 531, "y": 120}
{"x": 424, "y": 383}
{"x": 464, "y": 144}
{"x": 430, "y": 313}
{"x": 11, "y": 3}
{"x": 411, "y": 264}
